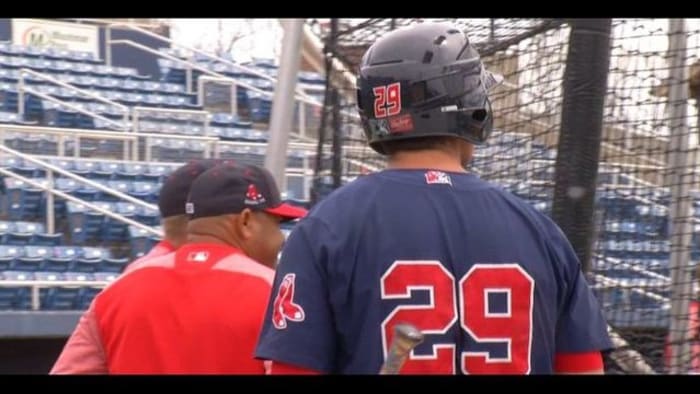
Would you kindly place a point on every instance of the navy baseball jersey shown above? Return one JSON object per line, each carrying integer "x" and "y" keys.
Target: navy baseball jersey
{"x": 493, "y": 284}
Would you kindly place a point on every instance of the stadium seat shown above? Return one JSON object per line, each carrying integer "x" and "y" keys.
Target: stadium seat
{"x": 16, "y": 297}
{"x": 57, "y": 264}
{"x": 82, "y": 264}
{"x": 112, "y": 265}
{"x": 45, "y": 239}
{"x": 86, "y": 295}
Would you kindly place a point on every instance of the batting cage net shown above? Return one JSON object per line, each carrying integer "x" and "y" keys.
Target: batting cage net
{"x": 596, "y": 124}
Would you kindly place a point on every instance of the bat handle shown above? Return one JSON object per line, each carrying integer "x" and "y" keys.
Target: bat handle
{"x": 406, "y": 338}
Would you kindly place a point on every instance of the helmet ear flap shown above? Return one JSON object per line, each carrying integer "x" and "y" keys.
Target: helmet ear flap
{"x": 475, "y": 125}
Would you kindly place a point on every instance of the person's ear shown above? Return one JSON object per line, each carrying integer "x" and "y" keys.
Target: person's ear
{"x": 245, "y": 223}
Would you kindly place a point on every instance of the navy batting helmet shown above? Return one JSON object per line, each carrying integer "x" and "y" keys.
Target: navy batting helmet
{"x": 421, "y": 81}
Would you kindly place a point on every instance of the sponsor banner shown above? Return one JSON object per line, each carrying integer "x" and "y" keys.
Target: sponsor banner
{"x": 58, "y": 35}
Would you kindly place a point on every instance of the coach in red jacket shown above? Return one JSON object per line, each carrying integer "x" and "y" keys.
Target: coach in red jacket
{"x": 200, "y": 309}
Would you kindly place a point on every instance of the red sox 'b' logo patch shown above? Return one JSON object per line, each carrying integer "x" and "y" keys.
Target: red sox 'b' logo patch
{"x": 253, "y": 197}
{"x": 284, "y": 307}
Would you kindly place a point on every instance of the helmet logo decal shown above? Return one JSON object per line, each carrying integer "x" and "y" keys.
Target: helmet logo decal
{"x": 379, "y": 127}
{"x": 401, "y": 124}
{"x": 387, "y": 100}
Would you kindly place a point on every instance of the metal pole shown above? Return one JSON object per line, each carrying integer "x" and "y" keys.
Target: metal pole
{"x": 76, "y": 148}
{"x": 328, "y": 51}
{"x": 20, "y": 94}
{"x": 35, "y": 298}
{"x": 581, "y": 130}
{"x": 336, "y": 166}
{"x": 188, "y": 79}
{"x": 61, "y": 145}
{"x": 679, "y": 180}
{"x": 283, "y": 102}
{"x": 108, "y": 45}
{"x": 200, "y": 92}
{"x": 136, "y": 128}
{"x": 234, "y": 99}
{"x": 305, "y": 178}
{"x": 148, "y": 149}
{"x": 302, "y": 119}
{"x": 50, "y": 220}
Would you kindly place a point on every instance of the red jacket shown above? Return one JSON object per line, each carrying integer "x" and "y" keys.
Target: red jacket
{"x": 198, "y": 310}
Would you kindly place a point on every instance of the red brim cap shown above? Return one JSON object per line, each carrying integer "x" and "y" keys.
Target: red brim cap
{"x": 287, "y": 211}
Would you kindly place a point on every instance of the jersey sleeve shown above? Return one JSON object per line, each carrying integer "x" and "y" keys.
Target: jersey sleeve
{"x": 298, "y": 327}
{"x": 83, "y": 353}
{"x": 581, "y": 326}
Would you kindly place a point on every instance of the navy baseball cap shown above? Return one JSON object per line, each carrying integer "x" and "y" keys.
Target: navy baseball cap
{"x": 229, "y": 189}
{"x": 173, "y": 194}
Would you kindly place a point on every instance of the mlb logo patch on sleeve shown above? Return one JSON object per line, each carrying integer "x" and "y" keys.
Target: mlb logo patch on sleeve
{"x": 432, "y": 177}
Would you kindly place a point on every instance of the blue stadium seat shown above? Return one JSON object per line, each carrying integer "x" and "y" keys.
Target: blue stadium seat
{"x": 146, "y": 191}
{"x": 8, "y": 97}
{"x": 82, "y": 264}
{"x": 46, "y": 239}
{"x": 68, "y": 252}
{"x": 5, "y": 228}
{"x": 87, "y": 193}
{"x": 45, "y": 292}
{"x": 87, "y": 294}
{"x": 231, "y": 133}
{"x": 19, "y": 297}
{"x": 6, "y": 262}
{"x": 21, "y": 202}
{"x": 89, "y": 252}
{"x": 112, "y": 265}
{"x": 65, "y": 185}
{"x": 8, "y": 162}
{"x": 120, "y": 186}
{"x": 78, "y": 223}
{"x": 113, "y": 230}
{"x": 126, "y": 209}
{"x": 57, "y": 264}
{"x": 147, "y": 217}
{"x": 78, "y": 276}
{"x": 13, "y": 252}
{"x": 29, "y": 227}
{"x": 222, "y": 120}
{"x": 85, "y": 167}
{"x": 34, "y": 251}
{"x": 139, "y": 242}
{"x": 61, "y": 299}
{"x": 105, "y": 276}
{"x": 130, "y": 171}
{"x": 18, "y": 239}
{"x": 156, "y": 173}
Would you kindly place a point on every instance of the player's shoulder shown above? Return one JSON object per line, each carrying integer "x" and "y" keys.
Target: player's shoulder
{"x": 347, "y": 198}
{"x": 527, "y": 210}
{"x": 238, "y": 263}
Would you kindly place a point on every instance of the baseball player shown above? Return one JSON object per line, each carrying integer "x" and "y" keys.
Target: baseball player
{"x": 197, "y": 310}
{"x": 493, "y": 285}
